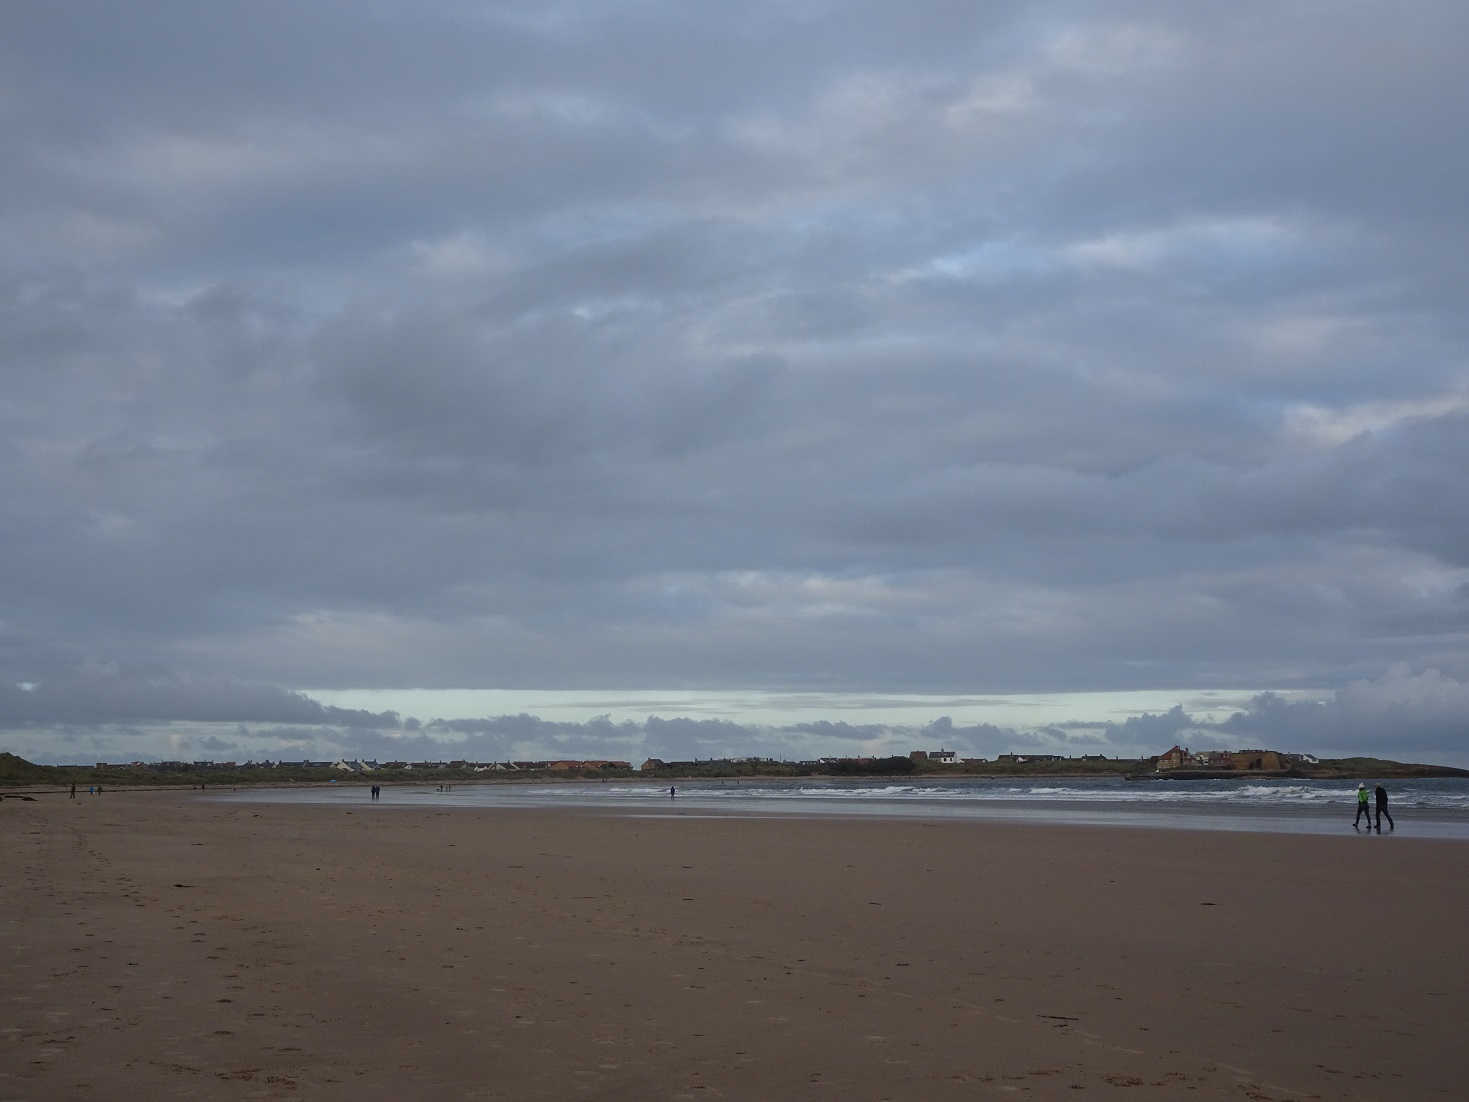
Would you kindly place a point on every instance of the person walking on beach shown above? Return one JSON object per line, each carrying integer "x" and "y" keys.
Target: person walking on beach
{"x": 1363, "y": 807}
{"x": 73, "y": 792}
{"x": 1382, "y": 810}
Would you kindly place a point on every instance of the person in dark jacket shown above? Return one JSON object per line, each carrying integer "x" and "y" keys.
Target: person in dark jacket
{"x": 1382, "y": 810}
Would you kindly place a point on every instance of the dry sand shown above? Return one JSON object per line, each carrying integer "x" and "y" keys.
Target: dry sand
{"x": 158, "y": 946}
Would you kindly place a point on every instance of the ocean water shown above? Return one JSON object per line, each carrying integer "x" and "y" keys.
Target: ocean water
{"x": 1432, "y": 808}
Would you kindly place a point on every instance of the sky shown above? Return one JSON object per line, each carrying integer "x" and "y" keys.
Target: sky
{"x": 708, "y": 354}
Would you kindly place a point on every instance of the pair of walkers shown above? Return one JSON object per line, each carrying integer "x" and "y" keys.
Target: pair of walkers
{"x": 1364, "y": 809}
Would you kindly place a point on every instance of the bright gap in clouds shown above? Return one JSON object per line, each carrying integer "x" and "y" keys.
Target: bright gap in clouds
{"x": 1022, "y": 711}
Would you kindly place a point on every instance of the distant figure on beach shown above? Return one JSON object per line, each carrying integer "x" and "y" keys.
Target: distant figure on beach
{"x": 73, "y": 792}
{"x": 91, "y": 790}
{"x": 1363, "y": 807}
{"x": 1382, "y": 810}
{"x": 672, "y": 792}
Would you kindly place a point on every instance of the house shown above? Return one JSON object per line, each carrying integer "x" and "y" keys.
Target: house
{"x": 1257, "y": 759}
{"x": 355, "y": 765}
{"x": 1173, "y": 759}
{"x": 942, "y": 757}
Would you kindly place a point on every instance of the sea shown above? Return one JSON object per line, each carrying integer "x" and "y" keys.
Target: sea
{"x": 1422, "y": 808}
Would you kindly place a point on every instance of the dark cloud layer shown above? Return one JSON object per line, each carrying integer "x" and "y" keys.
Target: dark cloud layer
{"x": 1037, "y": 346}
{"x": 105, "y": 695}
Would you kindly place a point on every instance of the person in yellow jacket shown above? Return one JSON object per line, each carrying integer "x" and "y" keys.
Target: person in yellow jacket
{"x": 1363, "y": 808}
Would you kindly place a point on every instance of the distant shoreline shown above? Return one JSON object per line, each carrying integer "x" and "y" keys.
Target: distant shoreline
{"x": 1377, "y": 769}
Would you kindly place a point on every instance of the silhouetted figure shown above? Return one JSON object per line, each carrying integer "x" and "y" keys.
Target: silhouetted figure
{"x": 672, "y": 792}
{"x": 1363, "y": 807}
{"x": 1382, "y": 810}
{"x": 73, "y": 792}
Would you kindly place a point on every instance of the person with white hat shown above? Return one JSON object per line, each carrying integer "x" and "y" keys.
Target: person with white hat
{"x": 1363, "y": 807}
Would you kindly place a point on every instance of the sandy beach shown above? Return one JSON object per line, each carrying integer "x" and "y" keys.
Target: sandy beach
{"x": 157, "y": 945}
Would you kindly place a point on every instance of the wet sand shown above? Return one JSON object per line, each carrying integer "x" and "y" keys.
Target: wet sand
{"x": 159, "y": 946}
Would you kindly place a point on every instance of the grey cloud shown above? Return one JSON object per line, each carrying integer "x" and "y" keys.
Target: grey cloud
{"x": 1151, "y": 729}
{"x": 108, "y": 694}
{"x": 1420, "y": 712}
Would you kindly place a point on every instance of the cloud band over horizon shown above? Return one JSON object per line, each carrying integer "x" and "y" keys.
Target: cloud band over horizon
{"x": 106, "y": 718}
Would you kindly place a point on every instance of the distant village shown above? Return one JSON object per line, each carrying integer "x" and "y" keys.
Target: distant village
{"x": 1178, "y": 763}
{"x": 1177, "y": 759}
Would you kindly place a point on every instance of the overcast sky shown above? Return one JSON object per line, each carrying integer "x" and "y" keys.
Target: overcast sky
{"x": 920, "y": 347}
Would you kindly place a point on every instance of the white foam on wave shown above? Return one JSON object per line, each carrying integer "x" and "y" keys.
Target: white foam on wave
{"x": 1291, "y": 792}
{"x": 1427, "y": 795}
{"x": 834, "y": 792}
